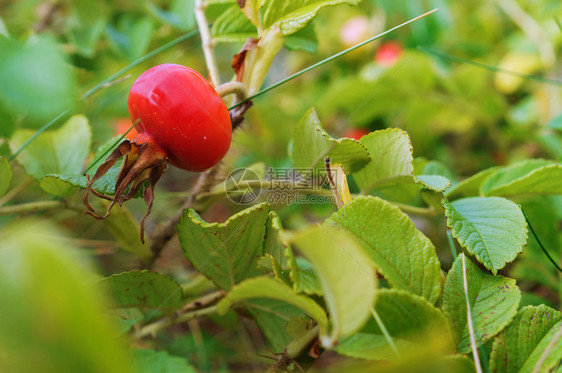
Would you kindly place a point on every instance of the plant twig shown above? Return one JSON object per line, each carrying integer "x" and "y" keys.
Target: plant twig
{"x": 539, "y": 242}
{"x": 204, "y": 301}
{"x": 207, "y": 43}
{"x": 32, "y": 207}
{"x": 469, "y": 319}
{"x": 166, "y": 322}
{"x": 296, "y": 347}
{"x": 424, "y": 211}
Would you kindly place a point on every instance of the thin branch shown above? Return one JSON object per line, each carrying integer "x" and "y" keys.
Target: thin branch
{"x": 32, "y": 207}
{"x": 424, "y": 211}
{"x": 296, "y": 347}
{"x": 469, "y": 319}
{"x": 166, "y": 322}
{"x": 204, "y": 301}
{"x": 12, "y": 193}
{"x": 207, "y": 43}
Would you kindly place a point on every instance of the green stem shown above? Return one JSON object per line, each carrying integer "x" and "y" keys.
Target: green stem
{"x": 385, "y": 332}
{"x": 329, "y": 59}
{"x": 39, "y": 132}
{"x": 537, "y": 78}
{"x": 296, "y": 347}
{"x": 32, "y": 207}
{"x": 166, "y": 322}
{"x": 139, "y": 61}
{"x": 424, "y": 211}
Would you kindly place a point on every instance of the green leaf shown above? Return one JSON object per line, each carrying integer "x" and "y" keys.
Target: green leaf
{"x": 292, "y": 16}
{"x": 226, "y": 253}
{"x": 272, "y": 316}
{"x": 493, "y": 302}
{"x": 532, "y": 176}
{"x": 471, "y": 185}
{"x": 61, "y": 151}
{"x": 437, "y": 183}
{"x": 310, "y": 144}
{"x": 409, "y": 319}
{"x": 180, "y": 15}
{"x": 87, "y": 24}
{"x": 125, "y": 228}
{"x": 131, "y": 36}
{"x": 62, "y": 185}
{"x": 400, "y": 252}
{"x": 492, "y": 229}
{"x": 555, "y": 123}
{"x": 304, "y": 39}
{"x": 233, "y": 26}
{"x": 36, "y": 79}
{"x": 143, "y": 289}
{"x": 392, "y": 161}
{"x": 251, "y": 9}
{"x": 53, "y": 318}
{"x": 5, "y": 175}
{"x": 522, "y": 344}
{"x": 150, "y": 361}
{"x": 346, "y": 275}
{"x": 307, "y": 280}
{"x": 265, "y": 287}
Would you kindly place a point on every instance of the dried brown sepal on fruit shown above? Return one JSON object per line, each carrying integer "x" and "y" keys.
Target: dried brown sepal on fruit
{"x": 143, "y": 162}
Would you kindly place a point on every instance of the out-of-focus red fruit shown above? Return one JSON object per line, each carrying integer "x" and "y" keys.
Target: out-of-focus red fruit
{"x": 388, "y": 53}
{"x": 122, "y": 125}
{"x": 356, "y": 133}
{"x": 355, "y": 30}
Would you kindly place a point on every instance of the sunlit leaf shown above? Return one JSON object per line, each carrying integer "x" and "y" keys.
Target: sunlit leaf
{"x": 228, "y": 252}
{"x": 532, "y": 176}
{"x": 400, "y": 252}
{"x": 409, "y": 319}
{"x": 493, "y": 303}
{"x": 310, "y": 144}
{"x": 346, "y": 275}
{"x": 265, "y": 287}
{"x": 292, "y": 16}
{"x": 232, "y": 26}
{"x": 392, "y": 161}
{"x": 492, "y": 229}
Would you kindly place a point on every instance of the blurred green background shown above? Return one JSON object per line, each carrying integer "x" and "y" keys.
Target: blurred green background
{"x": 460, "y": 116}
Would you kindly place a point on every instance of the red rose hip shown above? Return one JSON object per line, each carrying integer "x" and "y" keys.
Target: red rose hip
{"x": 180, "y": 119}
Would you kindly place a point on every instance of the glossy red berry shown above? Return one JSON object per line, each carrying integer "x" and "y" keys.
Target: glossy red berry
{"x": 180, "y": 111}
{"x": 180, "y": 119}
